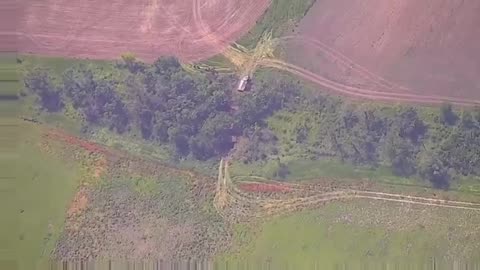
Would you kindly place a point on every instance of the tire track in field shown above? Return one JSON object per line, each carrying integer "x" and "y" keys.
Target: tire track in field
{"x": 303, "y": 202}
{"x": 250, "y": 205}
{"x": 361, "y": 92}
{"x": 211, "y": 37}
{"x": 348, "y": 62}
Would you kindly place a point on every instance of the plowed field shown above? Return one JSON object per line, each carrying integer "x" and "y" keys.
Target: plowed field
{"x": 189, "y": 29}
{"x": 427, "y": 48}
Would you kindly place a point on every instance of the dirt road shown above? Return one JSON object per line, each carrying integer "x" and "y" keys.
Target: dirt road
{"x": 240, "y": 199}
{"x": 371, "y": 94}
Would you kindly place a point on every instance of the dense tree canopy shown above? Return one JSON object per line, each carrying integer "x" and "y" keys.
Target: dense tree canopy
{"x": 199, "y": 116}
{"x": 96, "y": 98}
{"x": 39, "y": 82}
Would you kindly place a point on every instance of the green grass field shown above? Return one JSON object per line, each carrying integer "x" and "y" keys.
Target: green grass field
{"x": 37, "y": 193}
{"x": 280, "y": 18}
{"x": 9, "y": 84}
{"x": 301, "y": 170}
{"x": 356, "y": 233}
{"x": 58, "y": 64}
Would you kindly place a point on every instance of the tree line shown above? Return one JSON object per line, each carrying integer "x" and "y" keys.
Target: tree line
{"x": 438, "y": 147}
{"x": 198, "y": 115}
{"x": 195, "y": 114}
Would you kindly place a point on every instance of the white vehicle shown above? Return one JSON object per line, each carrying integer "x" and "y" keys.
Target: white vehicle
{"x": 242, "y": 85}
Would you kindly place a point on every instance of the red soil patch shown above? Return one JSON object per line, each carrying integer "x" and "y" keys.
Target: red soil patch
{"x": 79, "y": 203}
{"x": 189, "y": 29}
{"x": 72, "y": 140}
{"x": 100, "y": 168}
{"x": 425, "y": 48}
{"x": 264, "y": 188}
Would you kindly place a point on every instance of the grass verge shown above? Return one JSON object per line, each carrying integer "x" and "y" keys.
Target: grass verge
{"x": 282, "y": 16}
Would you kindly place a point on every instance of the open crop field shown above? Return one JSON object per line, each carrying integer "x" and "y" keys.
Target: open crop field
{"x": 358, "y": 234}
{"x": 190, "y": 30}
{"x": 423, "y": 51}
{"x": 37, "y": 189}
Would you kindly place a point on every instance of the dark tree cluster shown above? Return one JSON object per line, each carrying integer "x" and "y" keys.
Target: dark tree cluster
{"x": 437, "y": 151}
{"x": 96, "y": 98}
{"x": 40, "y": 82}
{"x": 196, "y": 114}
{"x": 192, "y": 113}
{"x": 199, "y": 116}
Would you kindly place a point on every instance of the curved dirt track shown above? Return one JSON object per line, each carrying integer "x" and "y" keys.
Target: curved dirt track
{"x": 147, "y": 28}
{"x": 352, "y": 194}
{"x": 345, "y": 62}
{"x": 427, "y": 47}
{"x": 365, "y": 93}
{"x": 237, "y": 203}
{"x": 272, "y": 206}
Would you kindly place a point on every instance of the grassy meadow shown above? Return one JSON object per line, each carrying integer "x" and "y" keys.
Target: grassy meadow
{"x": 354, "y": 234}
{"x": 37, "y": 190}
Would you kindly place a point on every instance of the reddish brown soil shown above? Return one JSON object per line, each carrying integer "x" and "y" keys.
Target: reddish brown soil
{"x": 410, "y": 47}
{"x": 78, "y": 204}
{"x": 189, "y": 29}
{"x": 91, "y": 147}
{"x": 8, "y": 15}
